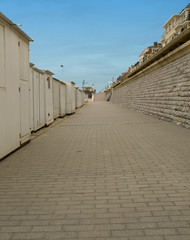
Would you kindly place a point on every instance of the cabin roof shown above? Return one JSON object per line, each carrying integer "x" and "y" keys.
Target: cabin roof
{"x": 6, "y": 19}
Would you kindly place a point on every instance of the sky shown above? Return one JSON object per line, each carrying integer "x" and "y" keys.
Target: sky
{"x": 94, "y": 40}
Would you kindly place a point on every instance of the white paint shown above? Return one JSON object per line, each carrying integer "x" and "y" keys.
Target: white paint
{"x": 48, "y": 97}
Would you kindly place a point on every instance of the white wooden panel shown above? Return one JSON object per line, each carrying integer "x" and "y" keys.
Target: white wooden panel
{"x": 76, "y": 97}
{"x": 23, "y": 59}
{"x": 62, "y": 100}
{"x": 48, "y": 100}
{"x": 56, "y": 98}
{"x": 24, "y": 111}
{"x": 31, "y": 100}
{"x": 70, "y": 97}
{"x": 36, "y": 100}
{"x": 73, "y": 97}
{"x": 24, "y": 90}
{"x": 80, "y": 98}
{"x": 42, "y": 101}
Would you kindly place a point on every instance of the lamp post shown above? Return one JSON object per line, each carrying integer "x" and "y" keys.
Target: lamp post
{"x": 83, "y": 83}
{"x": 62, "y": 66}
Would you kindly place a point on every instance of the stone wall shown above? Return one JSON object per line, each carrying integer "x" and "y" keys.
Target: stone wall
{"x": 163, "y": 92}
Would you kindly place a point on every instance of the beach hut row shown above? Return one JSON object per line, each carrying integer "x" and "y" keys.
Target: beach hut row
{"x": 30, "y": 98}
{"x": 51, "y": 98}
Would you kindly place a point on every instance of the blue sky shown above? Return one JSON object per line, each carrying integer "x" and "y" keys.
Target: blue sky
{"x": 95, "y": 40}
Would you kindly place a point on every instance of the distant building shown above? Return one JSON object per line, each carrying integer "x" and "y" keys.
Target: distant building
{"x": 136, "y": 65}
{"x": 124, "y": 74}
{"x": 147, "y": 52}
{"x": 175, "y": 25}
{"x": 131, "y": 68}
{"x": 88, "y": 91}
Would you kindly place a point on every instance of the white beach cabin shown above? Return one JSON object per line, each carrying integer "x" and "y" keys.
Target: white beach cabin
{"x": 14, "y": 86}
{"x": 59, "y": 97}
{"x": 37, "y": 98}
{"x": 48, "y": 97}
{"x": 78, "y": 98}
{"x": 70, "y": 97}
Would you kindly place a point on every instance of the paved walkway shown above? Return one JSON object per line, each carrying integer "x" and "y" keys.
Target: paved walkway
{"x": 102, "y": 173}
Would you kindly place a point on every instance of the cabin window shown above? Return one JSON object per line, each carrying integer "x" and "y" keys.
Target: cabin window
{"x": 2, "y": 56}
{"x": 48, "y": 80}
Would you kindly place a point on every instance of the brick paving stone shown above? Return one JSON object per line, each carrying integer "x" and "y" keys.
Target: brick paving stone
{"x": 128, "y": 233}
{"x": 185, "y": 231}
{"x": 15, "y": 229}
{"x": 147, "y": 238}
{"x": 162, "y": 232}
{"x": 5, "y": 236}
{"x": 141, "y": 225}
{"x": 9, "y": 223}
{"x": 106, "y": 172}
{"x": 28, "y": 236}
{"x": 94, "y": 234}
{"x": 173, "y": 224}
{"x": 180, "y": 237}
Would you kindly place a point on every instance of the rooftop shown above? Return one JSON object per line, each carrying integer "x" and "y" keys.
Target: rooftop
{"x": 176, "y": 15}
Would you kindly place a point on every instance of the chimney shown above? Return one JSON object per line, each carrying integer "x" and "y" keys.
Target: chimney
{"x": 155, "y": 44}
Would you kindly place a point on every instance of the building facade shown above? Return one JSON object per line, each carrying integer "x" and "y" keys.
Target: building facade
{"x": 175, "y": 25}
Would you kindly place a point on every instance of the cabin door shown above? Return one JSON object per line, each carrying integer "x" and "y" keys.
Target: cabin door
{"x": 24, "y": 92}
